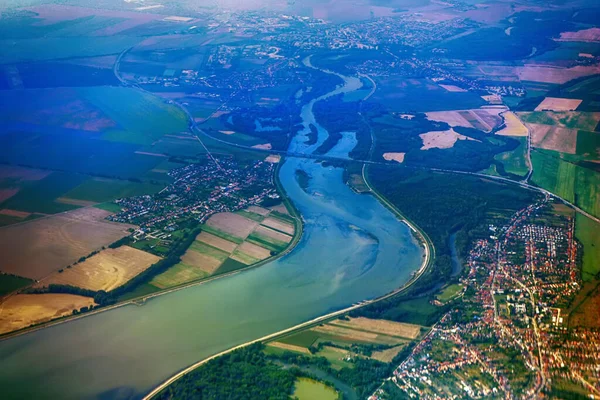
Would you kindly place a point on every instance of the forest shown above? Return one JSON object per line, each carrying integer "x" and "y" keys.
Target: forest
{"x": 442, "y": 204}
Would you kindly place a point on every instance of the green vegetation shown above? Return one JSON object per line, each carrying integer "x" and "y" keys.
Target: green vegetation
{"x": 209, "y": 250}
{"x": 572, "y": 182}
{"x": 250, "y": 215}
{"x": 106, "y": 190}
{"x": 39, "y": 196}
{"x": 588, "y": 144}
{"x": 242, "y": 374}
{"x": 586, "y": 231}
{"x": 515, "y": 161}
{"x": 441, "y": 204}
{"x": 47, "y": 48}
{"x": 309, "y": 389}
{"x": 449, "y": 292}
{"x": 10, "y": 283}
{"x": 176, "y": 275}
{"x": 110, "y": 207}
{"x": 149, "y": 120}
{"x": 229, "y": 265}
{"x": 221, "y": 234}
{"x": 245, "y": 258}
{"x": 267, "y": 242}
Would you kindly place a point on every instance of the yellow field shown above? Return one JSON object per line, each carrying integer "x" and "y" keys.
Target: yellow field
{"x": 387, "y": 355}
{"x": 15, "y": 213}
{"x": 278, "y": 225}
{"x": 180, "y": 273}
{"x": 279, "y": 208}
{"x": 202, "y": 261}
{"x": 513, "y": 126}
{"x": 217, "y": 242}
{"x": 398, "y": 157}
{"x": 452, "y": 88}
{"x": 381, "y": 326}
{"x": 551, "y": 74}
{"x": 106, "y": 270}
{"x": 23, "y": 310}
{"x": 558, "y": 104}
{"x": 289, "y": 347}
{"x": 259, "y": 210}
{"x": 484, "y": 119}
{"x": 440, "y": 139}
{"x": 36, "y": 249}
{"x": 254, "y": 251}
{"x": 232, "y": 224}
{"x": 553, "y": 138}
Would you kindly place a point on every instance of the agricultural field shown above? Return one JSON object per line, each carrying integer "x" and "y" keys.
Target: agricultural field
{"x": 555, "y": 138}
{"x": 102, "y": 190}
{"x": 572, "y": 182}
{"x": 552, "y": 74}
{"x": 40, "y": 247}
{"x": 228, "y": 242}
{"x": 441, "y": 139}
{"x": 23, "y": 310}
{"x": 42, "y": 196}
{"x": 309, "y": 389}
{"x": 10, "y": 283}
{"x": 449, "y": 293}
{"x": 483, "y": 119}
{"x": 586, "y": 231}
{"x": 585, "y": 121}
{"x": 557, "y": 104}
{"x": 513, "y": 126}
{"x": 107, "y": 270}
{"x": 337, "y": 340}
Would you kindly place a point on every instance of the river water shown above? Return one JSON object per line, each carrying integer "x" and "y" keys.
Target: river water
{"x": 352, "y": 249}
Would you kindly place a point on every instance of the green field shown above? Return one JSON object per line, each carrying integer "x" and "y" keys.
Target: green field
{"x": 449, "y": 293}
{"x": 48, "y": 48}
{"x": 587, "y": 232}
{"x": 250, "y": 215}
{"x": 515, "y": 162}
{"x": 176, "y": 275}
{"x": 204, "y": 248}
{"x": 308, "y": 389}
{"x": 110, "y": 207}
{"x": 586, "y": 121}
{"x": 39, "y": 196}
{"x": 149, "y": 120}
{"x": 221, "y": 234}
{"x": 245, "y": 258}
{"x": 267, "y": 242}
{"x": 105, "y": 190}
{"x": 588, "y": 144}
{"x": 229, "y": 265}
{"x": 574, "y": 183}
{"x": 10, "y": 283}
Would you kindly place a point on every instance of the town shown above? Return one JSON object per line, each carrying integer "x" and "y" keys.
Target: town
{"x": 509, "y": 334}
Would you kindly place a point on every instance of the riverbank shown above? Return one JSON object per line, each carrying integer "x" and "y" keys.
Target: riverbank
{"x": 428, "y": 256}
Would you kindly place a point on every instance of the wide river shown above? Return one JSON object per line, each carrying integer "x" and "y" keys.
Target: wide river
{"x": 352, "y": 249}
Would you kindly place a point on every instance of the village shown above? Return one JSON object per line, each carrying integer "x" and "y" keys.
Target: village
{"x": 511, "y": 333}
{"x": 198, "y": 191}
